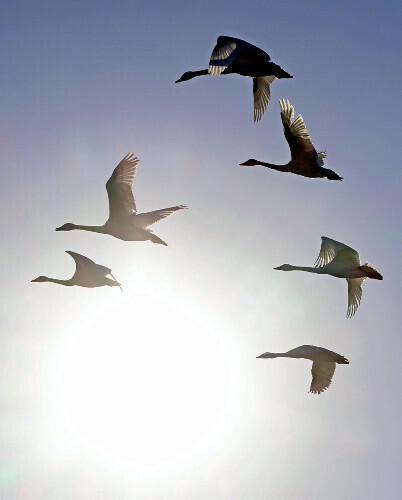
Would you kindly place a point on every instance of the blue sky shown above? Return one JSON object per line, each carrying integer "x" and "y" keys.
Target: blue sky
{"x": 156, "y": 393}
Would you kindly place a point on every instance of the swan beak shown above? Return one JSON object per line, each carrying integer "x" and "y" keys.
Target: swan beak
{"x": 35, "y": 280}
{"x": 58, "y": 228}
{"x": 262, "y": 355}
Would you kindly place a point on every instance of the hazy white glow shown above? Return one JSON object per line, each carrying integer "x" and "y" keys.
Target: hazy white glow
{"x": 148, "y": 383}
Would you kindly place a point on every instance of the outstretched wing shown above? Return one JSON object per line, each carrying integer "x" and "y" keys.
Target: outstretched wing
{"x": 149, "y": 218}
{"x": 262, "y": 94}
{"x": 84, "y": 266}
{"x": 335, "y": 250}
{"x": 119, "y": 188}
{"x": 354, "y": 295}
{"x": 227, "y": 49}
{"x": 296, "y": 132}
{"x": 305, "y": 350}
{"x": 322, "y": 372}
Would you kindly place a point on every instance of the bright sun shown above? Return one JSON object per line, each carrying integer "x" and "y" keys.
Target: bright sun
{"x": 150, "y": 386}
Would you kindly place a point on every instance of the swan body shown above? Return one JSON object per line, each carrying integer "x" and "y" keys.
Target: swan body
{"x": 232, "y": 55}
{"x": 340, "y": 261}
{"x": 87, "y": 274}
{"x": 306, "y": 160}
{"x": 124, "y": 223}
{"x": 324, "y": 363}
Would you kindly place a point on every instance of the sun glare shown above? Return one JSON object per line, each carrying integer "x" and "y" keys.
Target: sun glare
{"x": 148, "y": 382}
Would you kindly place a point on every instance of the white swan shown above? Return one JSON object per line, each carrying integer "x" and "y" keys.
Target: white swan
{"x": 341, "y": 261}
{"x": 324, "y": 363}
{"x": 232, "y": 55}
{"x": 87, "y": 274}
{"x": 306, "y": 160}
{"x": 124, "y": 223}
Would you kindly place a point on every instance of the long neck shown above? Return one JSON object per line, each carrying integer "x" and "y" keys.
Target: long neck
{"x": 281, "y": 168}
{"x": 60, "y": 282}
{"x": 198, "y": 73}
{"x": 272, "y": 355}
{"x": 315, "y": 270}
{"x": 94, "y": 229}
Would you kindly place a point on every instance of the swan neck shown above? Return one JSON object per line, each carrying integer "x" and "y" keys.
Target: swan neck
{"x": 315, "y": 270}
{"x": 199, "y": 73}
{"x": 59, "y": 282}
{"x": 94, "y": 229}
{"x": 281, "y": 168}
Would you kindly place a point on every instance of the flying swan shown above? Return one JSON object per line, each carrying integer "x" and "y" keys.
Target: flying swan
{"x": 324, "y": 363}
{"x": 231, "y": 55}
{"x": 87, "y": 274}
{"x": 306, "y": 161}
{"x": 341, "y": 261}
{"x": 124, "y": 223}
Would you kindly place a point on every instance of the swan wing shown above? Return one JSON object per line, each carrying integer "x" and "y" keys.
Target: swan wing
{"x": 119, "y": 188}
{"x": 304, "y": 350}
{"x": 85, "y": 266}
{"x": 227, "y": 49}
{"x": 295, "y": 131}
{"x": 322, "y": 372}
{"x": 354, "y": 294}
{"x": 149, "y": 218}
{"x": 262, "y": 94}
{"x": 332, "y": 250}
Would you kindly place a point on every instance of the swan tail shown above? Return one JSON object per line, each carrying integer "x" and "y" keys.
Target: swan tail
{"x": 278, "y": 71}
{"x": 156, "y": 239}
{"x": 370, "y": 271}
{"x": 331, "y": 175}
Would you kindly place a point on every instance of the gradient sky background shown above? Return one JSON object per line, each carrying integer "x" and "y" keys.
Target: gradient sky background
{"x": 156, "y": 393}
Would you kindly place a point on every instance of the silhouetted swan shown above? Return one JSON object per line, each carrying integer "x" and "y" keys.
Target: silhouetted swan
{"x": 341, "y": 261}
{"x": 231, "y": 55}
{"x": 124, "y": 223}
{"x": 305, "y": 160}
{"x": 324, "y": 363}
{"x": 87, "y": 274}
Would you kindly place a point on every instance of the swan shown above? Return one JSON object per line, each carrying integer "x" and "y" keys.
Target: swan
{"x": 87, "y": 274}
{"x": 306, "y": 161}
{"x": 324, "y": 363}
{"x": 124, "y": 223}
{"x": 231, "y": 55}
{"x": 341, "y": 261}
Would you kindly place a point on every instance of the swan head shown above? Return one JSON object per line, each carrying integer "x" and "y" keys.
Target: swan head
{"x": 250, "y": 163}
{"x": 188, "y": 75}
{"x": 284, "y": 267}
{"x": 269, "y": 355}
{"x": 66, "y": 227}
{"x": 39, "y": 279}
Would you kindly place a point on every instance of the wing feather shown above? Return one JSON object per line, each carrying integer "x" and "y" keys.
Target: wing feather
{"x": 149, "y": 218}
{"x": 332, "y": 249}
{"x": 262, "y": 94}
{"x": 227, "y": 49}
{"x": 85, "y": 266}
{"x": 354, "y": 295}
{"x": 322, "y": 372}
{"x": 295, "y": 131}
{"x": 119, "y": 188}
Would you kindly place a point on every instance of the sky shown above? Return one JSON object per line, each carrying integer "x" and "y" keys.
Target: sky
{"x": 156, "y": 392}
